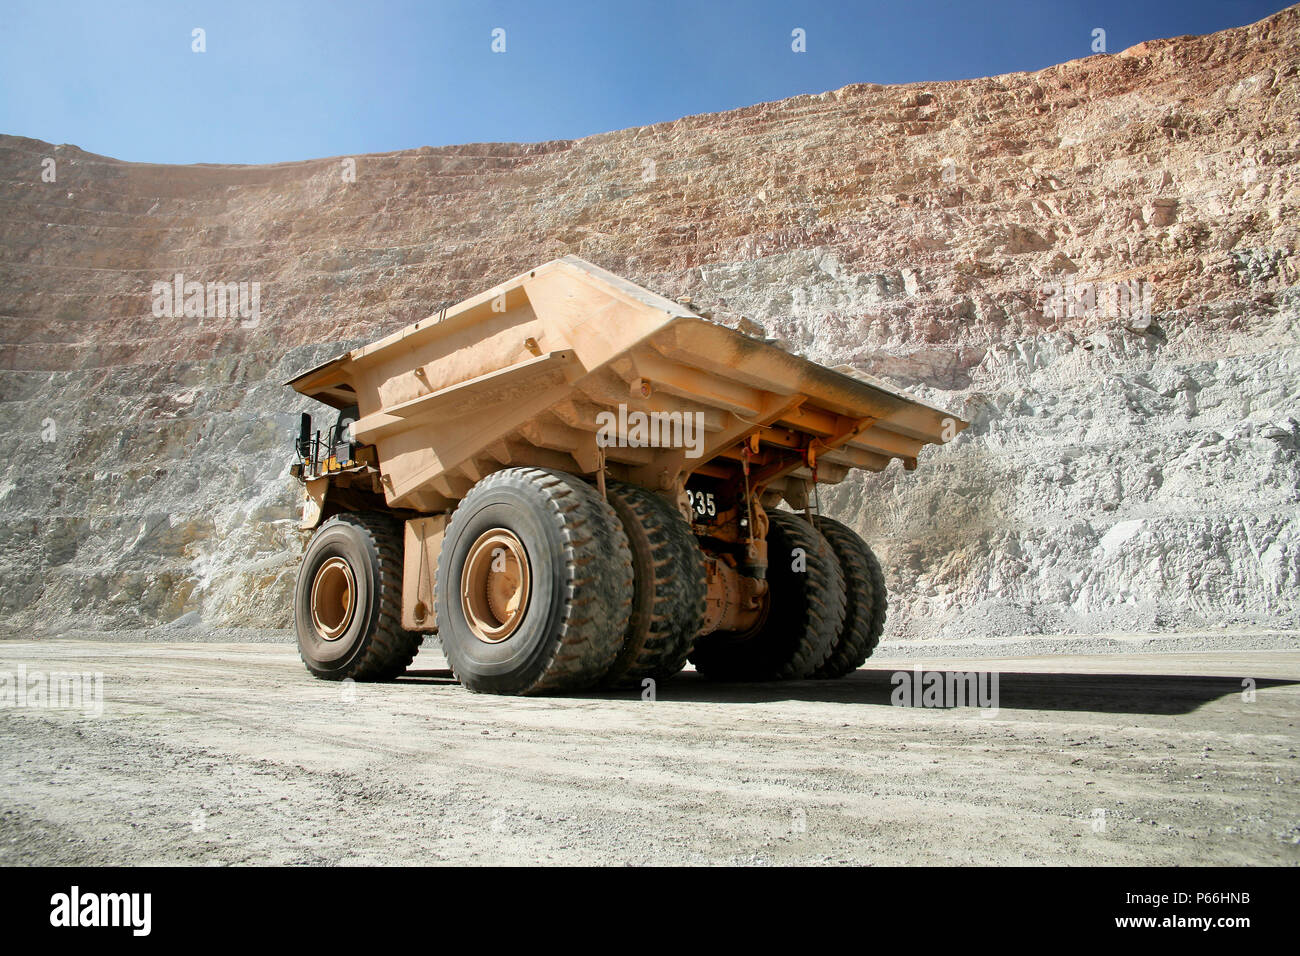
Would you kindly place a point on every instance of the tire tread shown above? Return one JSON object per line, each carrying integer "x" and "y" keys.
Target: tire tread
{"x": 598, "y": 582}
{"x": 867, "y": 596}
{"x": 669, "y": 625}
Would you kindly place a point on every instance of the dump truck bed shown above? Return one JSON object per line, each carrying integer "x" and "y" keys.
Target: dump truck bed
{"x": 531, "y": 371}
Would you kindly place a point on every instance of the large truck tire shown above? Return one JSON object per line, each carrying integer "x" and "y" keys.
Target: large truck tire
{"x": 668, "y": 594}
{"x": 805, "y": 611}
{"x": 348, "y": 600}
{"x": 866, "y": 597}
{"x": 534, "y": 584}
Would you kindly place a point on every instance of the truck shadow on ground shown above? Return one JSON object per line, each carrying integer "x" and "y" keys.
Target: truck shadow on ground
{"x": 1101, "y": 693}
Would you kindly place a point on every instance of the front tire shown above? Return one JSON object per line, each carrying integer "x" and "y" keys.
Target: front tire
{"x": 348, "y": 601}
{"x": 534, "y": 584}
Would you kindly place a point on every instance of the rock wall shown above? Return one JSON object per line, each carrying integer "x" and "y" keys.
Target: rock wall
{"x": 1128, "y": 468}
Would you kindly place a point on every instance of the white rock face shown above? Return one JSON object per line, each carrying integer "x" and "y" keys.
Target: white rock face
{"x": 1126, "y": 470}
{"x": 1118, "y": 482}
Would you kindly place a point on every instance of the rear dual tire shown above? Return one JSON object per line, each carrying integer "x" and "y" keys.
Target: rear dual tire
{"x": 804, "y": 616}
{"x": 865, "y": 599}
{"x": 825, "y": 608}
{"x": 566, "y": 631}
{"x": 669, "y": 590}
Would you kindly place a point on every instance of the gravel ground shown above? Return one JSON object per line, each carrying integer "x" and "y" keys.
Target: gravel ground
{"x": 1225, "y": 638}
{"x": 228, "y": 753}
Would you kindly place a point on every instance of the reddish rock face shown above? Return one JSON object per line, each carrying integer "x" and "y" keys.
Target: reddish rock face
{"x": 1095, "y": 262}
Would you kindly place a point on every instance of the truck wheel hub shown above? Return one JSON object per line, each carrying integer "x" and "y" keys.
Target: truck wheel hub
{"x": 495, "y": 586}
{"x": 333, "y": 598}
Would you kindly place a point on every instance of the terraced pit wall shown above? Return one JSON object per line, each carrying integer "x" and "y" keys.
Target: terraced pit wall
{"x": 1132, "y": 463}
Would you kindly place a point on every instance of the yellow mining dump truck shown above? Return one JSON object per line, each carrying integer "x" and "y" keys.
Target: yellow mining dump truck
{"x": 573, "y": 481}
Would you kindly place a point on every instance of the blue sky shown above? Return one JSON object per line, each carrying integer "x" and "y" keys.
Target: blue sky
{"x": 295, "y": 80}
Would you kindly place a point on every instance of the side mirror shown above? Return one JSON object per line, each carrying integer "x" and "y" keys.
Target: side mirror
{"x": 304, "y": 435}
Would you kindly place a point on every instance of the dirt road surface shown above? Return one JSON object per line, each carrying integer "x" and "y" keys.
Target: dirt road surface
{"x": 231, "y": 754}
